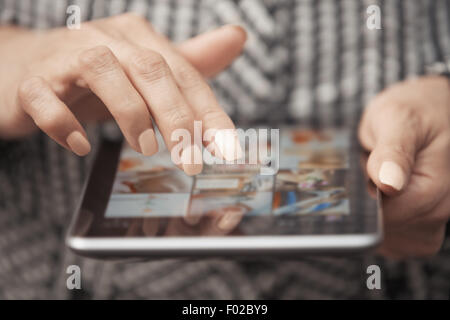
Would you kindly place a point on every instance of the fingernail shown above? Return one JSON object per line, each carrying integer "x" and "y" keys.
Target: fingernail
{"x": 191, "y": 158}
{"x": 391, "y": 174}
{"x": 240, "y": 28}
{"x": 229, "y": 220}
{"x": 192, "y": 219}
{"x": 227, "y": 142}
{"x": 147, "y": 142}
{"x": 78, "y": 143}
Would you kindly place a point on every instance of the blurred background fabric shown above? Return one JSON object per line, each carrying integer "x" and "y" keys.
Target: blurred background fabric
{"x": 306, "y": 62}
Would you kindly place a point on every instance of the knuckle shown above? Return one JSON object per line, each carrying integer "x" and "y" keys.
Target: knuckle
{"x": 212, "y": 115}
{"x": 49, "y": 120}
{"x": 407, "y": 115}
{"x": 99, "y": 60}
{"x": 128, "y": 122}
{"x": 404, "y": 151}
{"x": 188, "y": 78}
{"x": 131, "y": 111}
{"x": 30, "y": 89}
{"x": 150, "y": 65}
{"x": 393, "y": 108}
{"x": 178, "y": 117}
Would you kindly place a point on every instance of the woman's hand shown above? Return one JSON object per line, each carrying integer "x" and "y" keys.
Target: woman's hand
{"x": 117, "y": 66}
{"x": 406, "y": 128}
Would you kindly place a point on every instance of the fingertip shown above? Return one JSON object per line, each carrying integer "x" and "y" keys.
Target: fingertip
{"x": 78, "y": 143}
{"x": 148, "y": 143}
{"x": 228, "y": 146}
{"x": 192, "y": 169}
{"x": 390, "y": 178}
{"x": 213, "y": 51}
{"x": 191, "y": 159}
{"x": 192, "y": 219}
{"x": 239, "y": 31}
{"x": 392, "y": 175}
{"x": 230, "y": 219}
{"x": 388, "y": 169}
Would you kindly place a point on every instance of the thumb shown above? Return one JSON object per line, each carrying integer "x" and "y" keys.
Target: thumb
{"x": 392, "y": 159}
{"x": 213, "y": 51}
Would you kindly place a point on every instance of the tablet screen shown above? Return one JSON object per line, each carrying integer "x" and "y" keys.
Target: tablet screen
{"x": 310, "y": 180}
{"x": 315, "y": 188}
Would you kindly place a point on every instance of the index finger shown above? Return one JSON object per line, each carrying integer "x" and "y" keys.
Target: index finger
{"x": 198, "y": 95}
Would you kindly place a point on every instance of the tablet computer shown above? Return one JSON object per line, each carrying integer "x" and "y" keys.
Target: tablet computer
{"x": 310, "y": 195}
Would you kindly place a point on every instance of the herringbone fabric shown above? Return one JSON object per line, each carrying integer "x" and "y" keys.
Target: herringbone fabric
{"x": 306, "y": 62}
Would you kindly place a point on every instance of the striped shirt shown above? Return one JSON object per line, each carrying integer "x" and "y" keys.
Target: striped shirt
{"x": 306, "y": 62}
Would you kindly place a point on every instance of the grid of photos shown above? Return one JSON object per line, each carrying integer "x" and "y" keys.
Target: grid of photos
{"x": 308, "y": 191}
{"x": 310, "y": 181}
{"x": 148, "y": 187}
{"x": 313, "y": 173}
{"x": 248, "y": 193}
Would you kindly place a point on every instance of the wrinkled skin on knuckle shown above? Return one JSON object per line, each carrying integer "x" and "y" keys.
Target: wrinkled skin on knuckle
{"x": 179, "y": 119}
{"x": 409, "y": 117}
{"x": 404, "y": 113}
{"x": 30, "y": 89}
{"x": 131, "y": 112}
{"x": 212, "y": 115}
{"x": 428, "y": 97}
{"x": 189, "y": 79}
{"x": 404, "y": 151}
{"x": 150, "y": 65}
{"x": 98, "y": 60}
